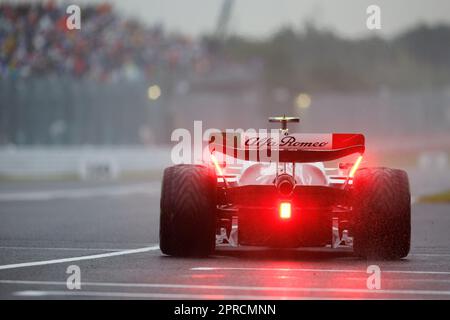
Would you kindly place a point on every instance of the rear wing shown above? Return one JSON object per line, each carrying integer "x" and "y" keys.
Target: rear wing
{"x": 288, "y": 147}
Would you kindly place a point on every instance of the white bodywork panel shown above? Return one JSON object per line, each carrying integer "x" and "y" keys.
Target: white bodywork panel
{"x": 265, "y": 173}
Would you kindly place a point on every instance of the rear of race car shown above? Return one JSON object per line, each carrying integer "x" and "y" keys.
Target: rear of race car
{"x": 291, "y": 204}
{"x": 284, "y": 196}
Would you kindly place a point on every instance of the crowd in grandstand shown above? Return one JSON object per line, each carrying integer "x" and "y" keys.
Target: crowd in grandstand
{"x": 35, "y": 40}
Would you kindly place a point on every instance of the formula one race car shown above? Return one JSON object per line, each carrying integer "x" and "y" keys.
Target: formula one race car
{"x": 290, "y": 202}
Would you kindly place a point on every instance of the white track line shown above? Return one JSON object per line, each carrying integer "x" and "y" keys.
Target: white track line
{"x": 235, "y": 288}
{"x": 225, "y": 246}
{"x": 313, "y": 270}
{"x": 402, "y": 280}
{"x": 170, "y": 296}
{"x": 58, "y": 249}
{"x": 91, "y": 257}
{"x": 143, "y": 188}
{"x": 429, "y": 255}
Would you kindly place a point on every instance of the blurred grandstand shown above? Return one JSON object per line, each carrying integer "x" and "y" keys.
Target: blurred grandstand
{"x": 36, "y": 42}
{"x": 46, "y": 66}
{"x": 120, "y": 82}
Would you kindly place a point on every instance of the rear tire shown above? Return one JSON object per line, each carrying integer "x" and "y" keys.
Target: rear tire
{"x": 382, "y": 213}
{"x": 187, "y": 216}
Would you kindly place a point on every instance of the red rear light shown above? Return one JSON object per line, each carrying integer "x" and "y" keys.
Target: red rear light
{"x": 285, "y": 210}
{"x": 216, "y": 164}
{"x": 355, "y": 167}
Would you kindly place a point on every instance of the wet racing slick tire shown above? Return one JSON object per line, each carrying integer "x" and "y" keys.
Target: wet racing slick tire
{"x": 187, "y": 216}
{"x": 382, "y": 214}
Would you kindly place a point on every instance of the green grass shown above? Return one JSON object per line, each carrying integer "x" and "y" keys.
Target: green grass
{"x": 443, "y": 197}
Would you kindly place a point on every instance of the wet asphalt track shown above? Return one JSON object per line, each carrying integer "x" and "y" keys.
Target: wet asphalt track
{"x": 111, "y": 232}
